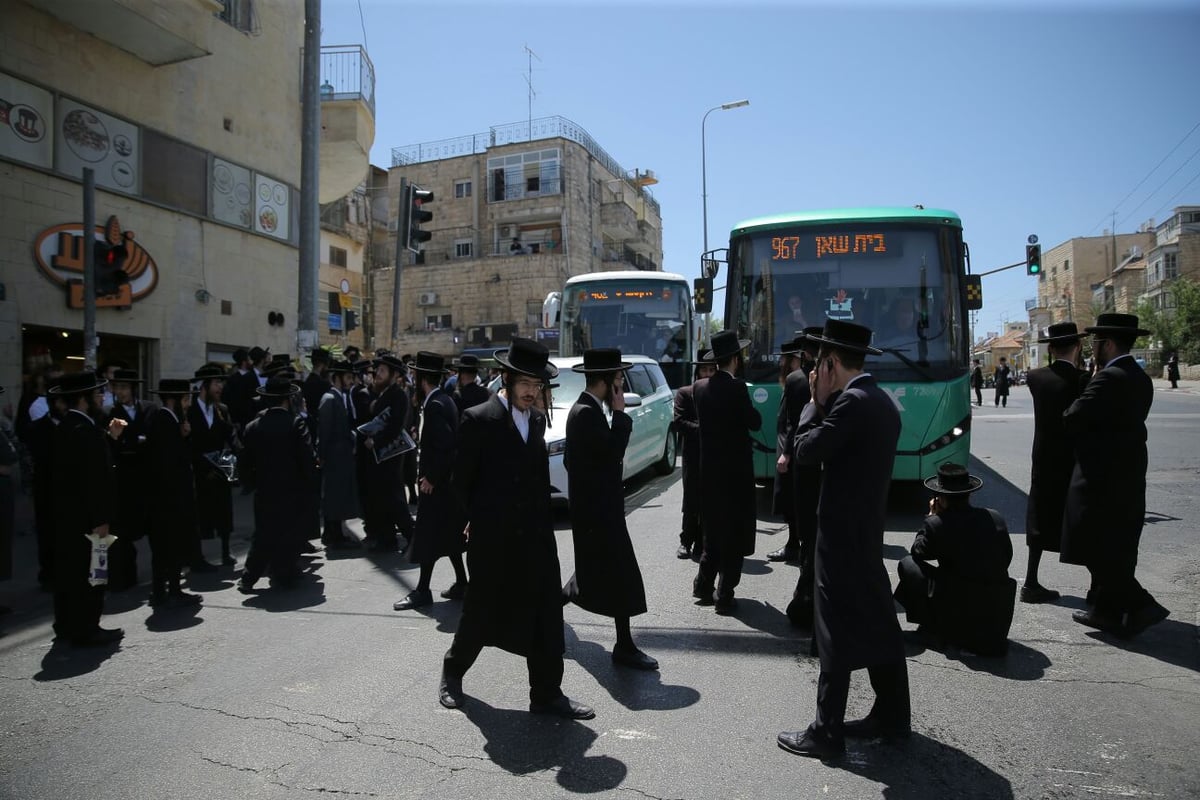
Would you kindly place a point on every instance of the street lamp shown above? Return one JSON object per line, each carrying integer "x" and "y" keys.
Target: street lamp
{"x": 703, "y": 169}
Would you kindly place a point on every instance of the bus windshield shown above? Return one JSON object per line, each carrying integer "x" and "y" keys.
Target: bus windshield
{"x": 650, "y": 317}
{"x": 899, "y": 280}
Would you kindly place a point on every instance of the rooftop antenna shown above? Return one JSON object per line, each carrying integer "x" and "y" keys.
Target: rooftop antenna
{"x": 530, "y": 55}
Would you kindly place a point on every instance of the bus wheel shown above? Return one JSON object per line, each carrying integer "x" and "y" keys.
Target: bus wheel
{"x": 666, "y": 465}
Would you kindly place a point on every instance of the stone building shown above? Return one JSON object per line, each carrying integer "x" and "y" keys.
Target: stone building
{"x": 1174, "y": 254}
{"x": 188, "y": 113}
{"x": 514, "y": 216}
{"x": 1073, "y": 271}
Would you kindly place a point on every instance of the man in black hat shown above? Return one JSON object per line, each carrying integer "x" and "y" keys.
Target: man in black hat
{"x": 1002, "y": 377}
{"x": 239, "y": 392}
{"x": 131, "y": 521}
{"x": 1054, "y": 389}
{"x": 335, "y": 445}
{"x": 439, "y": 525}
{"x": 171, "y": 494}
{"x": 351, "y": 355}
{"x": 279, "y": 465}
{"x": 514, "y": 600}
{"x": 212, "y": 432}
{"x": 316, "y": 384}
{"x": 468, "y": 392}
{"x": 851, "y": 428}
{"x": 84, "y": 493}
{"x": 607, "y": 579}
{"x": 1106, "y": 501}
{"x": 686, "y": 425}
{"x": 793, "y": 379}
{"x": 977, "y": 382}
{"x": 967, "y": 599}
{"x": 386, "y": 509}
{"x": 727, "y": 504}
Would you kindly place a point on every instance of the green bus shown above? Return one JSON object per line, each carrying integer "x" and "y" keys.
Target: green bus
{"x": 903, "y": 272}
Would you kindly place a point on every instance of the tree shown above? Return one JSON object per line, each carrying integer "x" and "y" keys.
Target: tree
{"x": 1177, "y": 328}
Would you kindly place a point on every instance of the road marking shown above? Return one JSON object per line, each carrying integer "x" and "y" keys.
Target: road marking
{"x": 641, "y": 736}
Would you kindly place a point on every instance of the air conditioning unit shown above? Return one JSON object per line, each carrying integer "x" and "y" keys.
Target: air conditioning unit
{"x": 508, "y": 231}
{"x": 427, "y": 299}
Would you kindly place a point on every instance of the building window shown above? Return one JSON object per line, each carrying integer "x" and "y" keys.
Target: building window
{"x": 1170, "y": 266}
{"x": 337, "y": 256}
{"x": 522, "y": 175}
{"x": 463, "y": 248}
{"x": 533, "y": 312}
{"x": 239, "y": 14}
{"x": 437, "y": 322}
{"x": 1066, "y": 265}
{"x": 462, "y": 189}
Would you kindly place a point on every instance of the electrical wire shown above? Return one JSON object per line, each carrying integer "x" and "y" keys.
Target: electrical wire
{"x": 1195, "y": 153}
{"x": 1148, "y": 174}
{"x": 1167, "y": 204}
{"x": 362, "y": 22}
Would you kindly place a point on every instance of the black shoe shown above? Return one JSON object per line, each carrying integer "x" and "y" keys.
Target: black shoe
{"x": 457, "y": 591}
{"x": 100, "y": 637}
{"x": 683, "y": 552}
{"x": 1150, "y": 614}
{"x": 450, "y": 692}
{"x": 416, "y": 599}
{"x": 1098, "y": 619}
{"x": 200, "y": 565}
{"x": 1036, "y": 593}
{"x": 726, "y": 605}
{"x": 784, "y": 553}
{"x": 562, "y": 706}
{"x": 703, "y": 593}
{"x": 812, "y": 745}
{"x": 634, "y": 658}
{"x": 870, "y": 727}
{"x": 245, "y": 587}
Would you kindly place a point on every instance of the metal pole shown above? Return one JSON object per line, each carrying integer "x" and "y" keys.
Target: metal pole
{"x": 310, "y": 166}
{"x": 401, "y": 232}
{"x": 89, "y": 268}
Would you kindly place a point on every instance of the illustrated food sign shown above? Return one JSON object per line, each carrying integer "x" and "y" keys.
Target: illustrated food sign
{"x": 91, "y": 138}
{"x": 25, "y": 114}
{"x": 840, "y": 245}
{"x": 59, "y": 253}
{"x": 232, "y": 194}
{"x": 271, "y": 207}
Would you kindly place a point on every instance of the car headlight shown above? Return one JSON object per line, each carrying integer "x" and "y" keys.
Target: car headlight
{"x": 556, "y": 447}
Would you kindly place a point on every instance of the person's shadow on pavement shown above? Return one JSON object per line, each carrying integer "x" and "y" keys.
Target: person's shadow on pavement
{"x": 637, "y": 690}
{"x": 1170, "y": 641}
{"x": 919, "y": 768}
{"x": 63, "y": 661}
{"x": 1020, "y": 663}
{"x": 165, "y": 620}
{"x": 522, "y": 743}
{"x": 307, "y": 591}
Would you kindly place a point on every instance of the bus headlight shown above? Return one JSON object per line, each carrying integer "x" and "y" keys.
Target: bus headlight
{"x": 948, "y": 438}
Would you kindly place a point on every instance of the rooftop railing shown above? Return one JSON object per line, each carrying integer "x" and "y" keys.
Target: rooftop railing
{"x": 347, "y": 74}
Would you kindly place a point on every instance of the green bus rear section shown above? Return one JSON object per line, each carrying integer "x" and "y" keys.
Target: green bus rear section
{"x": 834, "y": 216}
{"x": 930, "y": 413}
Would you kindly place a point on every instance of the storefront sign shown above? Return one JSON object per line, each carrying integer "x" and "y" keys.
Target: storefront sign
{"x": 91, "y": 138}
{"x": 59, "y": 254}
{"x": 25, "y": 117}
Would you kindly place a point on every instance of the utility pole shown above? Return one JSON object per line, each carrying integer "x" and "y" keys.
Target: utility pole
{"x": 89, "y": 268}
{"x": 310, "y": 170}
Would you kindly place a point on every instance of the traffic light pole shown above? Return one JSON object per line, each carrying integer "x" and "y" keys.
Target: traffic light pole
{"x": 1001, "y": 269}
{"x": 401, "y": 246}
{"x": 89, "y": 268}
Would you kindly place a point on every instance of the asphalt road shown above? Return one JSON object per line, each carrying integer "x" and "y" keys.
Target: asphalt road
{"x": 324, "y": 691}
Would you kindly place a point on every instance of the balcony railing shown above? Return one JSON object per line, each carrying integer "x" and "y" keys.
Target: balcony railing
{"x": 347, "y": 74}
{"x": 515, "y": 185}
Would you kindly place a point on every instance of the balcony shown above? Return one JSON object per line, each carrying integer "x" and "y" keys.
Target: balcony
{"x": 618, "y": 220}
{"x": 157, "y": 33}
{"x": 347, "y": 119}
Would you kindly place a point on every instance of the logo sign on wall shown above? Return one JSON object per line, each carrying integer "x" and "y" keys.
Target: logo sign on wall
{"x": 25, "y": 113}
{"x": 272, "y": 207}
{"x": 59, "y": 254}
{"x": 91, "y": 138}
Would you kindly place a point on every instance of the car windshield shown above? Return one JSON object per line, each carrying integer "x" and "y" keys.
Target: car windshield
{"x": 570, "y": 385}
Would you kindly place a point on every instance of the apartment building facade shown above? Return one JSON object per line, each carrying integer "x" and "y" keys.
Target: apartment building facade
{"x": 1075, "y": 270}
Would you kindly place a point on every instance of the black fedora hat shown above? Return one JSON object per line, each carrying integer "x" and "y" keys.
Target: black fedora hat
{"x": 842, "y": 335}
{"x": 341, "y": 366}
{"x": 601, "y": 359}
{"x": 430, "y": 363}
{"x": 209, "y": 371}
{"x": 77, "y": 383}
{"x": 258, "y": 354}
{"x": 126, "y": 376}
{"x": 1120, "y": 324}
{"x": 351, "y": 353}
{"x": 173, "y": 387}
{"x": 953, "y": 479}
{"x": 392, "y": 361}
{"x": 724, "y": 345}
{"x": 1061, "y": 332}
{"x": 278, "y": 386}
{"x": 527, "y": 357}
{"x": 468, "y": 361}
{"x": 320, "y": 355}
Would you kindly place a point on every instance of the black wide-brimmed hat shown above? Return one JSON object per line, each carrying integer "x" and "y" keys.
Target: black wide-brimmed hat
{"x": 392, "y": 361}
{"x": 258, "y": 354}
{"x": 430, "y": 363}
{"x": 842, "y": 335}
{"x": 320, "y": 356}
{"x": 77, "y": 383}
{"x": 174, "y": 387}
{"x": 341, "y": 366}
{"x": 527, "y": 357}
{"x": 468, "y": 361}
{"x": 126, "y": 376}
{"x": 953, "y": 479}
{"x": 352, "y": 353}
{"x": 724, "y": 345}
{"x": 1061, "y": 332}
{"x": 1109, "y": 324}
{"x": 278, "y": 386}
{"x": 801, "y": 339}
{"x": 602, "y": 359}
{"x": 209, "y": 371}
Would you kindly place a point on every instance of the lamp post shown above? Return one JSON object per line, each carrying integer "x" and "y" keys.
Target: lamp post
{"x": 703, "y": 167}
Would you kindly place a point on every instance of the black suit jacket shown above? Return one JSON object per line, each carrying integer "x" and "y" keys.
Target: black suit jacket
{"x": 687, "y": 425}
{"x": 727, "y": 416}
{"x": 1054, "y": 389}
{"x": 470, "y": 395}
{"x": 791, "y": 405}
{"x": 169, "y": 460}
{"x": 239, "y": 396}
{"x": 313, "y": 389}
{"x": 279, "y": 464}
{"x": 439, "y": 523}
{"x": 129, "y": 456}
{"x": 84, "y": 481}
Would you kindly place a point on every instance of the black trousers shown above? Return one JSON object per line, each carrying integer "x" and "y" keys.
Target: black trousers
{"x": 275, "y": 547}
{"x": 167, "y": 557}
{"x": 689, "y": 531}
{"x": 1117, "y": 589}
{"x": 978, "y": 396}
{"x": 916, "y": 579}
{"x": 720, "y": 566}
{"x": 545, "y": 669}
{"x": 386, "y": 509}
{"x": 892, "y": 705}
{"x": 77, "y": 604}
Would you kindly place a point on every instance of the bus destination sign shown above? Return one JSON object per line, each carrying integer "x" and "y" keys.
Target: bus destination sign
{"x": 805, "y": 248}
{"x": 605, "y": 295}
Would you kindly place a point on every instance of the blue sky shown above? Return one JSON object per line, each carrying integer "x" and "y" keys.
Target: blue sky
{"x": 1022, "y": 117}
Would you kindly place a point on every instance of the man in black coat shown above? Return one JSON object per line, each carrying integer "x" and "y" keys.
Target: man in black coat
{"x": 794, "y": 366}
{"x": 212, "y": 432}
{"x": 502, "y": 475}
{"x": 967, "y": 599}
{"x": 607, "y": 579}
{"x": 131, "y": 521}
{"x": 84, "y": 487}
{"x": 171, "y": 494}
{"x": 439, "y": 523}
{"x": 727, "y": 502}
{"x": 686, "y": 425}
{"x": 336, "y": 421}
{"x": 242, "y": 384}
{"x": 468, "y": 391}
{"x": 316, "y": 385}
{"x": 279, "y": 465}
{"x": 977, "y": 382}
{"x": 851, "y": 428}
{"x": 1002, "y": 376}
{"x": 386, "y": 508}
{"x": 1106, "y": 502}
{"x": 1054, "y": 389}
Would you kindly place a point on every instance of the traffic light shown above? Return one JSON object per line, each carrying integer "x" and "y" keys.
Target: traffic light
{"x": 702, "y": 295}
{"x": 351, "y": 319}
{"x": 110, "y": 272}
{"x": 1033, "y": 259}
{"x": 414, "y": 201}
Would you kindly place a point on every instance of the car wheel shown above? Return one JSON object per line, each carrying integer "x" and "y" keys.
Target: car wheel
{"x": 666, "y": 464}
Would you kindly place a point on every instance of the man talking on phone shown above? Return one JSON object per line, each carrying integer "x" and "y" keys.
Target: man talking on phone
{"x": 851, "y": 427}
